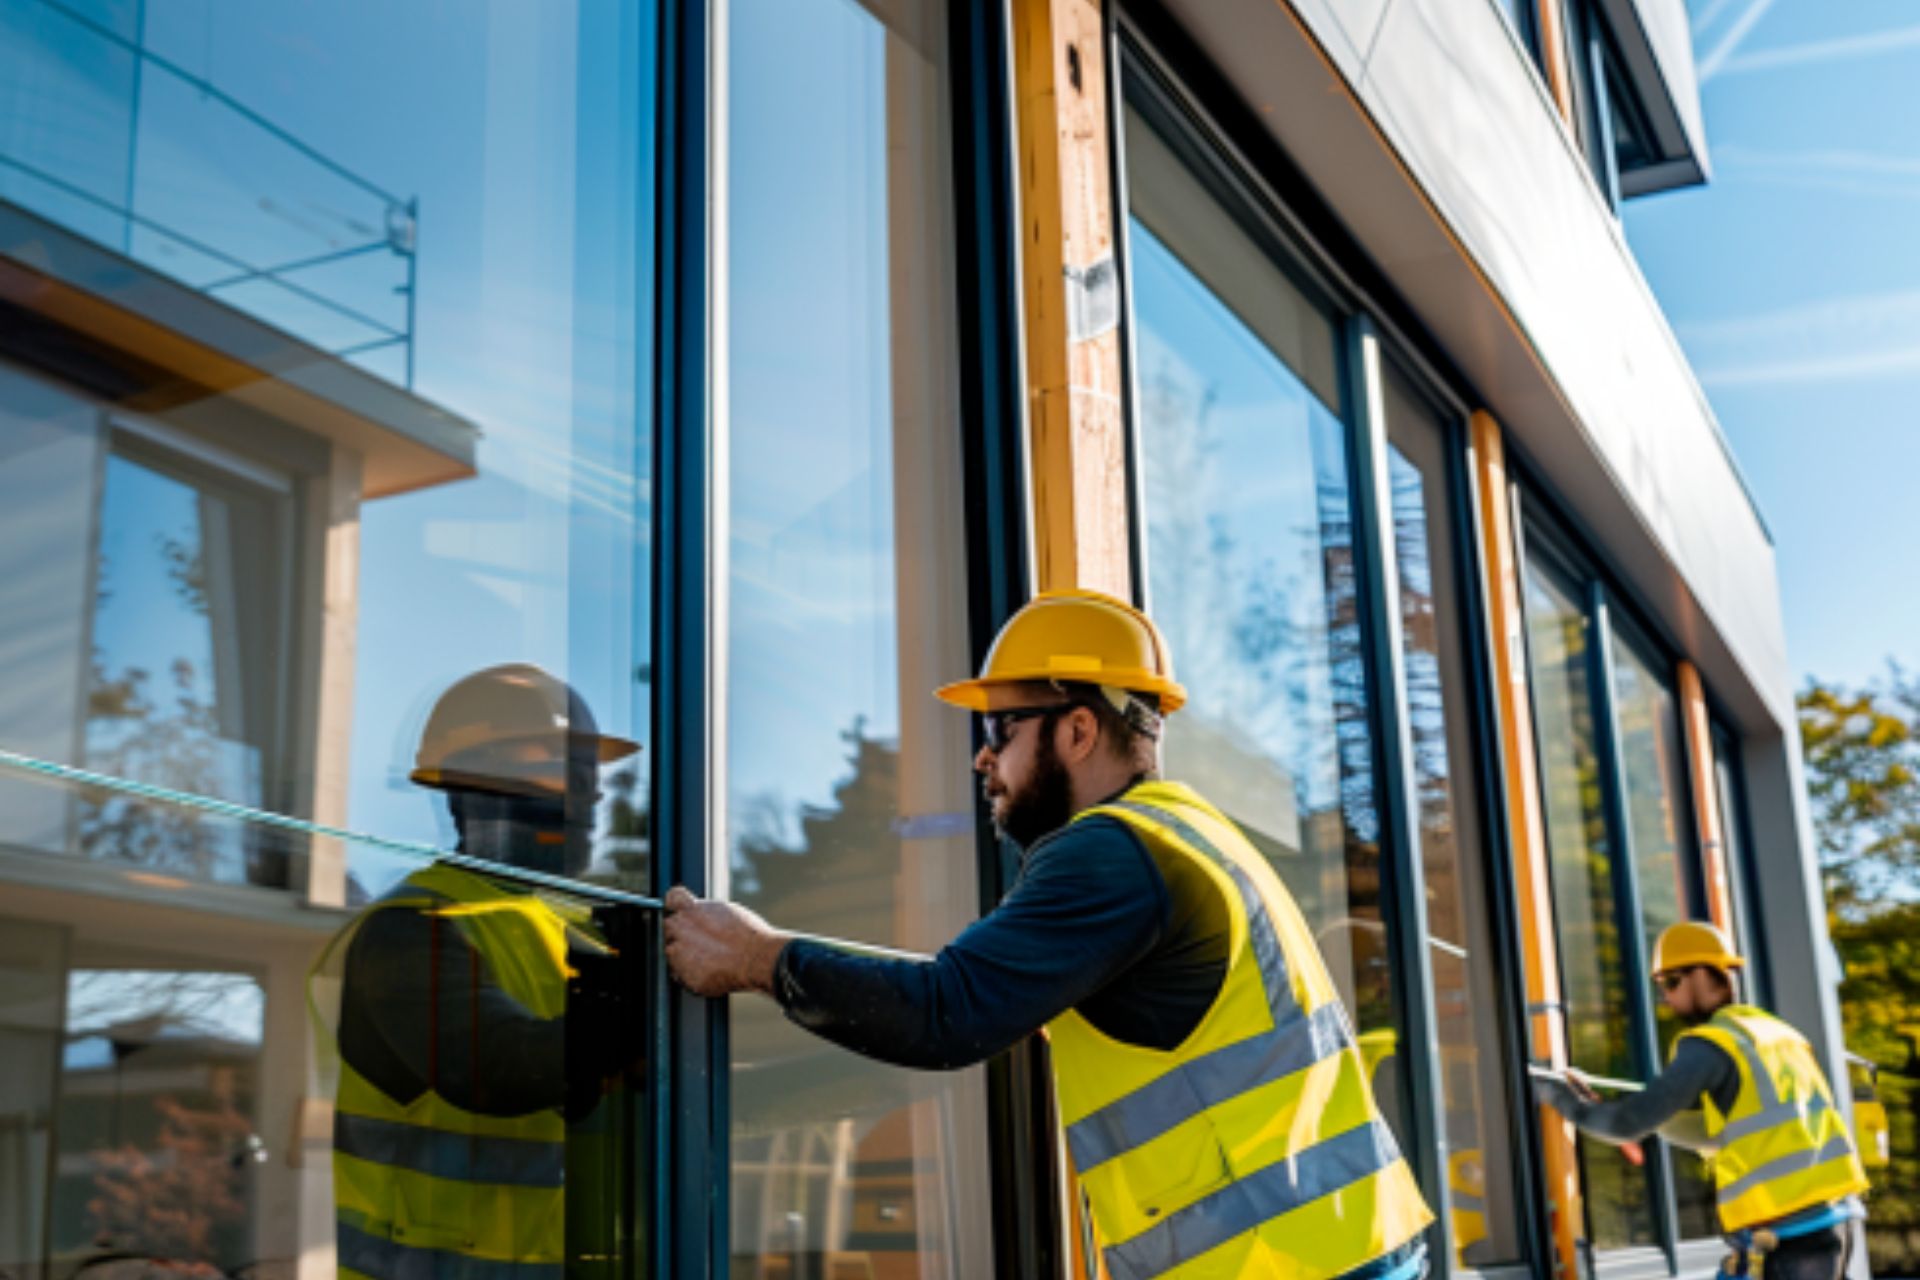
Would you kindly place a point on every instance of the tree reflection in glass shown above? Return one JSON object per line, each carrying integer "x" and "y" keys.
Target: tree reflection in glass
{"x": 1592, "y": 968}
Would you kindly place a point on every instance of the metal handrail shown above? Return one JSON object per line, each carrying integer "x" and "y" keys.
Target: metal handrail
{"x": 395, "y": 241}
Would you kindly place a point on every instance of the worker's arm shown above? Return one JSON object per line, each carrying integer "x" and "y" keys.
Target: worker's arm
{"x": 1698, "y": 1068}
{"x": 1689, "y": 1130}
{"x": 1089, "y": 903}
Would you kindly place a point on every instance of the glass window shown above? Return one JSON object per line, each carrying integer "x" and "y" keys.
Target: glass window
{"x": 1250, "y": 565}
{"x": 1460, "y": 904}
{"x": 325, "y": 525}
{"x": 1742, "y": 884}
{"x": 1653, "y": 764}
{"x": 1593, "y": 968}
{"x": 850, "y": 797}
{"x": 189, "y": 648}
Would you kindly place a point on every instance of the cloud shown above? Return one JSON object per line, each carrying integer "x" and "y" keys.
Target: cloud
{"x": 1708, "y": 16}
{"x": 1841, "y": 49}
{"x": 1839, "y": 339}
{"x": 1743, "y": 25}
{"x": 1850, "y": 172}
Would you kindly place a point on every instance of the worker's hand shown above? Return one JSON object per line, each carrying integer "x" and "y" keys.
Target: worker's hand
{"x": 1581, "y": 1088}
{"x": 717, "y": 948}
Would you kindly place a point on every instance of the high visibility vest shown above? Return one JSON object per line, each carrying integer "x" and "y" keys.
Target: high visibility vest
{"x": 1784, "y": 1147}
{"x": 425, "y": 1188}
{"x": 1254, "y": 1148}
{"x": 1466, "y": 1170}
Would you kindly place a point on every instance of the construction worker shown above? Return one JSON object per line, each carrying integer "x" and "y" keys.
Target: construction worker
{"x": 458, "y": 1073}
{"x": 1785, "y": 1172}
{"x": 1215, "y": 1104}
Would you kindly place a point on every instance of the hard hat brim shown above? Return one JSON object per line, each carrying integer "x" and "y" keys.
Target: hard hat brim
{"x": 1728, "y": 963}
{"x": 975, "y": 695}
{"x": 607, "y": 749}
{"x": 970, "y": 694}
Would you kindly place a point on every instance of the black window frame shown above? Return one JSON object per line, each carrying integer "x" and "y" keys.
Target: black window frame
{"x": 1549, "y": 533}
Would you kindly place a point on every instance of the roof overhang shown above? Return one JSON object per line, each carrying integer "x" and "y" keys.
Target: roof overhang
{"x": 1655, "y": 44}
{"x": 179, "y": 343}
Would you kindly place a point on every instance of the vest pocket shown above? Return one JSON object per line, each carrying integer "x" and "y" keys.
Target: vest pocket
{"x": 1144, "y": 1186}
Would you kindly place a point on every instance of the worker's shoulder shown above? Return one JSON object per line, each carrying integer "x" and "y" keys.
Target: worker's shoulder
{"x": 1096, "y": 835}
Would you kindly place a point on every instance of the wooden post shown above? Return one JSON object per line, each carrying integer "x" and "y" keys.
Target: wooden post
{"x": 1706, "y": 796}
{"x": 1526, "y": 830}
{"x": 1554, "y": 58}
{"x": 1072, "y": 296}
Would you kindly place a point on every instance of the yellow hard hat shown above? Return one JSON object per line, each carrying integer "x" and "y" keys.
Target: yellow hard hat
{"x": 1082, "y": 636}
{"x": 510, "y": 729}
{"x": 1692, "y": 942}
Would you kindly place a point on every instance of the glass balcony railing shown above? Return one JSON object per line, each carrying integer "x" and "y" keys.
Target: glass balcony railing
{"x": 107, "y": 128}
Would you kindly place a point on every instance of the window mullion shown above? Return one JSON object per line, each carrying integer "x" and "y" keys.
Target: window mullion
{"x": 1627, "y": 909}
{"x": 1403, "y": 881}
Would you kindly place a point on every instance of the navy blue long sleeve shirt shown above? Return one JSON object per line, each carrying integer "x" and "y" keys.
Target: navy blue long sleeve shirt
{"x": 1699, "y": 1068}
{"x": 1093, "y": 923}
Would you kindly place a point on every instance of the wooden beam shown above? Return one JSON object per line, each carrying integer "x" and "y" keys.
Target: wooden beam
{"x": 1526, "y": 830}
{"x": 1072, "y": 295}
{"x": 1706, "y": 796}
{"x": 1555, "y": 58}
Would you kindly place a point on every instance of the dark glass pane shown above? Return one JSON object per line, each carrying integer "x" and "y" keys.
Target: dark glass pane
{"x": 1592, "y": 965}
{"x": 1654, "y": 762}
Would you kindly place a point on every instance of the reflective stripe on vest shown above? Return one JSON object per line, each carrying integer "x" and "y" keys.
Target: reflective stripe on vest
{"x": 1319, "y": 1154}
{"x": 1777, "y": 1156}
{"x": 384, "y": 1259}
{"x": 1241, "y": 1205}
{"x": 464, "y": 1157}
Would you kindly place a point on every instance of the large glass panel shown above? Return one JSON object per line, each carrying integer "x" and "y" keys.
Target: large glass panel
{"x": 850, "y": 796}
{"x": 1593, "y": 969}
{"x": 1741, "y": 882}
{"x": 1653, "y": 763}
{"x": 324, "y": 534}
{"x": 1460, "y": 904}
{"x": 1250, "y": 566}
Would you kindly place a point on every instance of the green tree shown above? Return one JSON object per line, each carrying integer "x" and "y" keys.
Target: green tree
{"x": 1862, "y": 754}
{"x": 1862, "y": 749}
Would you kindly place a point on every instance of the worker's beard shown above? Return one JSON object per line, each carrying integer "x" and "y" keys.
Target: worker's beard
{"x": 1045, "y": 803}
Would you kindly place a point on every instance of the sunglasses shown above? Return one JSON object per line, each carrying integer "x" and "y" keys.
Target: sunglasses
{"x": 1672, "y": 978}
{"x": 997, "y": 726}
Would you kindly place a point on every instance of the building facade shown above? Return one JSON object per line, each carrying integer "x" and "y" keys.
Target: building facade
{"x": 743, "y": 364}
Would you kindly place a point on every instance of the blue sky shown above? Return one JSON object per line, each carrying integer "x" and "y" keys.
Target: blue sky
{"x": 1793, "y": 281}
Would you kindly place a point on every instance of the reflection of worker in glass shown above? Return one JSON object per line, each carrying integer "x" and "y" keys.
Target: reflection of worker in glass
{"x": 1365, "y": 941}
{"x": 1364, "y": 944}
{"x": 1215, "y": 1103}
{"x": 1744, "y": 1087}
{"x": 451, "y": 1114}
